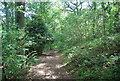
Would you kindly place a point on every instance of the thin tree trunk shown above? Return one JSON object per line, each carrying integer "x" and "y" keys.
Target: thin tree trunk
{"x": 3, "y": 73}
{"x": 103, "y": 10}
{"x": 6, "y": 12}
{"x": 117, "y": 18}
{"x": 94, "y": 10}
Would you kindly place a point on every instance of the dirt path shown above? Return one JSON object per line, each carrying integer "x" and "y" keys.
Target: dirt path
{"x": 49, "y": 67}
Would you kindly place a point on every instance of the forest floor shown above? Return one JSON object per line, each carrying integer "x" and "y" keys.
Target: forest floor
{"x": 49, "y": 66}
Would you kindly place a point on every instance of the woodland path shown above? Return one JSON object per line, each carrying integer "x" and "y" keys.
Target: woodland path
{"x": 49, "y": 66}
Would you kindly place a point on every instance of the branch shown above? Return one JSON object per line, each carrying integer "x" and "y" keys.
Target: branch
{"x": 68, "y": 6}
{"x": 89, "y": 5}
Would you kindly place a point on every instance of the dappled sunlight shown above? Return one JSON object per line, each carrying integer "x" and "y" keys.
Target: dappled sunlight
{"x": 41, "y": 65}
{"x": 49, "y": 67}
{"x": 59, "y": 66}
{"x": 41, "y": 72}
{"x": 60, "y": 39}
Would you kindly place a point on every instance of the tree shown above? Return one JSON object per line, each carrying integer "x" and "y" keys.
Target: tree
{"x": 6, "y": 12}
{"x": 20, "y": 20}
{"x": 94, "y": 7}
{"x": 74, "y": 7}
{"x": 117, "y": 17}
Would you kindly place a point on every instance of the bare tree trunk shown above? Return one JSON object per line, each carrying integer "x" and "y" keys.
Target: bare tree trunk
{"x": 117, "y": 18}
{"x": 4, "y": 77}
{"x": 6, "y": 12}
{"x": 103, "y": 10}
{"x": 94, "y": 19}
{"x": 20, "y": 20}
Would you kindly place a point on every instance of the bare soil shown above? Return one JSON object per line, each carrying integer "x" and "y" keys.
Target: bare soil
{"x": 49, "y": 66}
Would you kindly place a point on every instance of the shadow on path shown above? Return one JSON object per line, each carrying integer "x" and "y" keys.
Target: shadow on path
{"x": 49, "y": 67}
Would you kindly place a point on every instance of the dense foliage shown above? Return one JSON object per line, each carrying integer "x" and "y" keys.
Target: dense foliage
{"x": 14, "y": 60}
{"x": 87, "y": 33}
{"x": 37, "y": 33}
{"x": 90, "y": 41}
{"x": 21, "y": 44}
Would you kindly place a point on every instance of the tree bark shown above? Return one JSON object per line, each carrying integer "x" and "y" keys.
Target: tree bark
{"x": 6, "y": 16}
{"x": 94, "y": 19}
{"x": 117, "y": 18}
{"x": 104, "y": 19}
{"x": 20, "y": 20}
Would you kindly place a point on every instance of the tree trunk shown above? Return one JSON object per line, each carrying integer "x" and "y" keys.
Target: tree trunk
{"x": 104, "y": 19}
{"x": 6, "y": 16}
{"x": 94, "y": 19}
{"x": 20, "y": 20}
{"x": 117, "y": 18}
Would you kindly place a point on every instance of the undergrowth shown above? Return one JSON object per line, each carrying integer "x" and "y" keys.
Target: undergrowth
{"x": 95, "y": 59}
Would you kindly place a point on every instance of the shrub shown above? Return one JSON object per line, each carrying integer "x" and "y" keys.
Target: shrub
{"x": 38, "y": 34}
{"x": 15, "y": 63}
{"x": 95, "y": 59}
